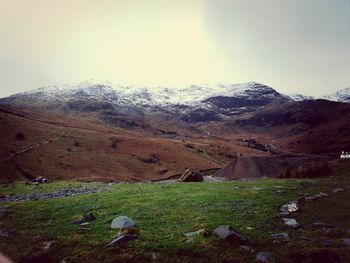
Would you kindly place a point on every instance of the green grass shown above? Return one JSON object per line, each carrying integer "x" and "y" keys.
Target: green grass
{"x": 164, "y": 212}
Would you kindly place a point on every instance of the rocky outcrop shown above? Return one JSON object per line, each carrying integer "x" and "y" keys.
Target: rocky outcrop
{"x": 191, "y": 175}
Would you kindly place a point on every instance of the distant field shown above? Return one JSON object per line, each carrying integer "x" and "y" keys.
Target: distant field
{"x": 164, "y": 212}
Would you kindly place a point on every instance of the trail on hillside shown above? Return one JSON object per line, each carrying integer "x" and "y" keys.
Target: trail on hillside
{"x": 31, "y": 148}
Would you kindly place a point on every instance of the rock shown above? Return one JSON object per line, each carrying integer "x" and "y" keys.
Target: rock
{"x": 86, "y": 218}
{"x": 40, "y": 180}
{"x": 337, "y": 190}
{"x": 191, "y": 175}
{"x": 306, "y": 184}
{"x": 122, "y": 240}
{"x": 321, "y": 225}
{"x": 190, "y": 240}
{"x": 281, "y": 236}
{"x": 291, "y": 222}
{"x": 48, "y": 245}
{"x": 322, "y": 242}
{"x": 122, "y": 222}
{"x": 230, "y": 234}
{"x": 248, "y": 248}
{"x": 265, "y": 257}
{"x": 346, "y": 241}
{"x": 321, "y": 195}
{"x": 310, "y": 198}
{"x": 289, "y": 208}
{"x": 4, "y": 233}
{"x": 195, "y": 233}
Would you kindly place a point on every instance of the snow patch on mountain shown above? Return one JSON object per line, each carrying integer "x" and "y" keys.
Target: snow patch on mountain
{"x": 341, "y": 96}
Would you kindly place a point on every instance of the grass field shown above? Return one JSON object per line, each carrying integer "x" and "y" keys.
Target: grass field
{"x": 164, "y": 212}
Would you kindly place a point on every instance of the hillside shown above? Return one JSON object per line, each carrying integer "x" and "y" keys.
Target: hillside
{"x": 61, "y": 147}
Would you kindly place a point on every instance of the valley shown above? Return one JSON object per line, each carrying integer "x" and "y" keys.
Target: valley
{"x": 200, "y": 174}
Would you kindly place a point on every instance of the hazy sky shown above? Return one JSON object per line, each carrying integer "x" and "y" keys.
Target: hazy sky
{"x": 295, "y": 46}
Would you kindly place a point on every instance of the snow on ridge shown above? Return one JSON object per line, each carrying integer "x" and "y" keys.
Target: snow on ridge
{"x": 188, "y": 95}
{"x": 342, "y": 95}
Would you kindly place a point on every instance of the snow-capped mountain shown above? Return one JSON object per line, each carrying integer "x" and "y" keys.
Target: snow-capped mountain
{"x": 196, "y": 102}
{"x": 156, "y": 96}
{"x": 191, "y": 104}
{"x": 341, "y": 96}
{"x": 300, "y": 97}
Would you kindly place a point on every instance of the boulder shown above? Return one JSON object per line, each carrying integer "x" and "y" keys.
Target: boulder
{"x": 289, "y": 208}
{"x": 122, "y": 222}
{"x": 228, "y": 233}
{"x": 122, "y": 240}
{"x": 4, "y": 233}
{"x": 346, "y": 241}
{"x": 281, "y": 236}
{"x": 321, "y": 225}
{"x": 291, "y": 222}
{"x": 191, "y": 175}
{"x": 265, "y": 257}
{"x": 86, "y": 218}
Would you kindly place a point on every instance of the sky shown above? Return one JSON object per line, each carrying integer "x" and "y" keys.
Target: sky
{"x": 294, "y": 46}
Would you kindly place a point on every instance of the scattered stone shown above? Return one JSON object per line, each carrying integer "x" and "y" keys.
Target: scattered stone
{"x": 86, "y": 218}
{"x": 190, "y": 240}
{"x": 323, "y": 242}
{"x": 48, "y": 245}
{"x": 321, "y": 225}
{"x": 291, "y": 222}
{"x": 337, "y": 190}
{"x": 191, "y": 175}
{"x": 281, "y": 236}
{"x": 289, "y": 208}
{"x": 122, "y": 240}
{"x": 4, "y": 233}
{"x": 310, "y": 198}
{"x": 265, "y": 257}
{"x": 195, "y": 233}
{"x": 321, "y": 195}
{"x": 65, "y": 192}
{"x": 154, "y": 256}
{"x": 230, "y": 234}
{"x": 346, "y": 241}
{"x": 122, "y": 222}
{"x": 306, "y": 184}
{"x": 40, "y": 180}
{"x": 248, "y": 248}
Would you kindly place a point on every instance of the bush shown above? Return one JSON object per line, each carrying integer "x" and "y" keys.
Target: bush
{"x": 20, "y": 136}
{"x": 114, "y": 142}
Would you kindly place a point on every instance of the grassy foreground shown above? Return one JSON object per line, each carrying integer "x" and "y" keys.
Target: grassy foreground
{"x": 164, "y": 212}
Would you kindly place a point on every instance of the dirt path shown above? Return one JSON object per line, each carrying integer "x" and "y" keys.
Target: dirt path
{"x": 36, "y": 146}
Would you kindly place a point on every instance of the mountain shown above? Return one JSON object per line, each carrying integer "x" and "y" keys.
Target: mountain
{"x": 300, "y": 97}
{"x": 97, "y": 131}
{"x": 341, "y": 96}
{"x": 192, "y": 104}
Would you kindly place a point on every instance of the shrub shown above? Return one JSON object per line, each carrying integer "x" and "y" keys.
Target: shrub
{"x": 20, "y": 136}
